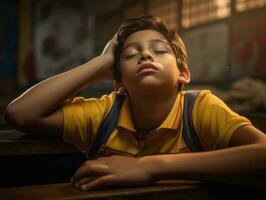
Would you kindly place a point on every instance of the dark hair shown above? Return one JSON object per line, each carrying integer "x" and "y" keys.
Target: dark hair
{"x": 154, "y": 23}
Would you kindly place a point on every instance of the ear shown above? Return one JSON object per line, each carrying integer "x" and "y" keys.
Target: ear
{"x": 184, "y": 76}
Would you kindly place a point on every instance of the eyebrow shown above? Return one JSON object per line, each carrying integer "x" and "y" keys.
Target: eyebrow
{"x": 150, "y": 41}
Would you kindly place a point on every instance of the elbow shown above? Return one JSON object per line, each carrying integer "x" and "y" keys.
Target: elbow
{"x": 15, "y": 117}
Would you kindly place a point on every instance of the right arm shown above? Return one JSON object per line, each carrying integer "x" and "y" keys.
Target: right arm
{"x": 39, "y": 109}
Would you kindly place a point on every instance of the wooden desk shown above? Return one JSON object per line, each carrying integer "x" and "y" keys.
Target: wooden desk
{"x": 166, "y": 190}
{"x": 14, "y": 143}
{"x": 25, "y": 160}
{"x": 181, "y": 190}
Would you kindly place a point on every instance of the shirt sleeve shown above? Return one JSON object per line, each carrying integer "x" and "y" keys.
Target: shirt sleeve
{"x": 214, "y": 121}
{"x": 82, "y": 119}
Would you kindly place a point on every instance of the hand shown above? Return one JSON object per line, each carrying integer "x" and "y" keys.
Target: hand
{"x": 109, "y": 47}
{"x": 113, "y": 170}
{"x": 108, "y": 53}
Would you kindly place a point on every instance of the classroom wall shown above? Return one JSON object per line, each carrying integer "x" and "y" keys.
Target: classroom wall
{"x": 8, "y": 47}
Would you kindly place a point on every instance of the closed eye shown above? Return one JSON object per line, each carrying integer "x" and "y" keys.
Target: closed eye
{"x": 160, "y": 51}
{"x": 130, "y": 56}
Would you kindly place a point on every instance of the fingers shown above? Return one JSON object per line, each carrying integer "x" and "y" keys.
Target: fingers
{"x": 114, "y": 38}
{"x": 98, "y": 183}
{"x": 89, "y": 170}
{"x": 104, "y": 181}
{"x": 79, "y": 184}
{"x": 109, "y": 47}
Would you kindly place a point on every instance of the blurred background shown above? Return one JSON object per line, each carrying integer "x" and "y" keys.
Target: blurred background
{"x": 225, "y": 41}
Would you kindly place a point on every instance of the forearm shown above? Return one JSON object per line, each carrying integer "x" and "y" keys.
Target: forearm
{"x": 49, "y": 94}
{"x": 241, "y": 165}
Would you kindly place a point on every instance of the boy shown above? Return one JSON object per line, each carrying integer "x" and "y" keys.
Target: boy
{"x": 150, "y": 67}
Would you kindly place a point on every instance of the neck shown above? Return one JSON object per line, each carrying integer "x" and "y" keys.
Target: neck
{"x": 149, "y": 111}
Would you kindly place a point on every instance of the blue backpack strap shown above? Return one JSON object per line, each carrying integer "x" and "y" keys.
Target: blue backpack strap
{"x": 189, "y": 134}
{"x": 107, "y": 126}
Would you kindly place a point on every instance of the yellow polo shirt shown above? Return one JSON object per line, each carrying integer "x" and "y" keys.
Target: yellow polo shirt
{"x": 213, "y": 121}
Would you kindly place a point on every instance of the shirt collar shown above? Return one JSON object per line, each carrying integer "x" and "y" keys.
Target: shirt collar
{"x": 125, "y": 119}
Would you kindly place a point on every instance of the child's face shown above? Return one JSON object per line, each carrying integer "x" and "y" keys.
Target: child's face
{"x": 147, "y": 60}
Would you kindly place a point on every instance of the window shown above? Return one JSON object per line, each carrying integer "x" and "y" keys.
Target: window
{"x": 166, "y": 10}
{"x": 243, "y": 5}
{"x": 196, "y": 12}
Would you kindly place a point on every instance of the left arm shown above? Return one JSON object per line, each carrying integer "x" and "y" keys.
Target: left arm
{"x": 243, "y": 163}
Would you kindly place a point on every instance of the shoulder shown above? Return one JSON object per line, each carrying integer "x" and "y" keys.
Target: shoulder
{"x": 103, "y": 101}
{"x": 214, "y": 121}
{"x": 82, "y": 118}
{"x": 89, "y": 107}
{"x": 208, "y": 103}
{"x": 205, "y": 98}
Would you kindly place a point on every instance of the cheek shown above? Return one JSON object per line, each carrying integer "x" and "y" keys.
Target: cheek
{"x": 171, "y": 69}
{"x": 126, "y": 65}
{"x": 170, "y": 63}
{"x": 126, "y": 70}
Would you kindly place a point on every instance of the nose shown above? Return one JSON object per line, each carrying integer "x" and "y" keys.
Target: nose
{"x": 145, "y": 55}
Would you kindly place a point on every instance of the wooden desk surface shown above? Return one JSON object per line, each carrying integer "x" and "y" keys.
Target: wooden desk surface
{"x": 181, "y": 189}
{"x": 167, "y": 190}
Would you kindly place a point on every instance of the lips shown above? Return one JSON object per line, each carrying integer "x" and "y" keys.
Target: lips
{"x": 147, "y": 67}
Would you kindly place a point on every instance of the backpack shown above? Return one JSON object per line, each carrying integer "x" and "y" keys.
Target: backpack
{"x": 189, "y": 134}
